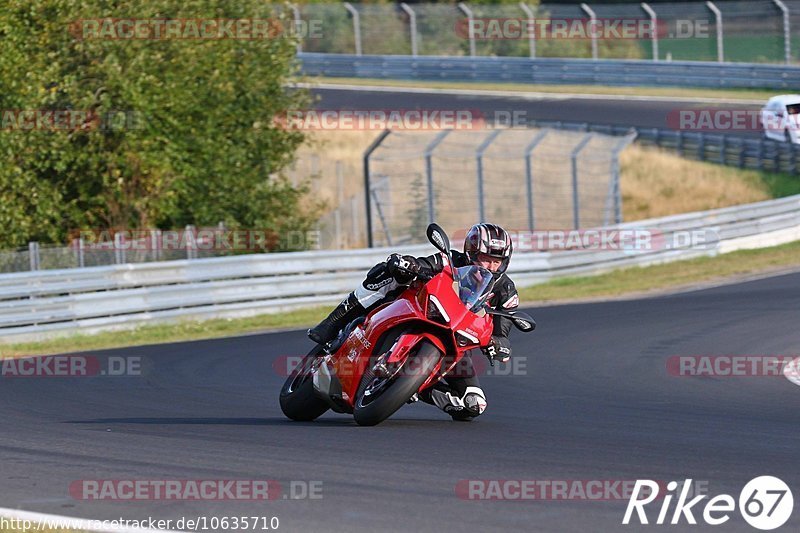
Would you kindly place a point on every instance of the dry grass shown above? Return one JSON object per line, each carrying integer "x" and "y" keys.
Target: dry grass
{"x": 658, "y": 183}
{"x": 328, "y": 147}
{"x": 346, "y": 145}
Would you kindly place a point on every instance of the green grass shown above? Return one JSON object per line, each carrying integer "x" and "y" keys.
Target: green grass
{"x": 780, "y": 185}
{"x": 669, "y": 275}
{"x": 740, "y": 48}
{"x": 723, "y": 94}
{"x": 614, "y": 284}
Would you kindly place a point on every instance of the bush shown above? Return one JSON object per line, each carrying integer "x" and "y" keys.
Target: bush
{"x": 192, "y": 140}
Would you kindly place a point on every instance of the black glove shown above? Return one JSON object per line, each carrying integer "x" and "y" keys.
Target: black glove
{"x": 499, "y": 349}
{"x": 403, "y": 268}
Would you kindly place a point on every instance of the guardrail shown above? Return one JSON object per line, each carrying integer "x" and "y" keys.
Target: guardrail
{"x": 629, "y": 73}
{"x": 731, "y": 150}
{"x": 34, "y": 305}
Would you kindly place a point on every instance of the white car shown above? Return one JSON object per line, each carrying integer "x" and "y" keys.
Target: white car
{"x": 779, "y": 118}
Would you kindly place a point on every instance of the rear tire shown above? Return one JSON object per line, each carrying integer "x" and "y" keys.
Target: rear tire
{"x": 411, "y": 377}
{"x": 298, "y": 399}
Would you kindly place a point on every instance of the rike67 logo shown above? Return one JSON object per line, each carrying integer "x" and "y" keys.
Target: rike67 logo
{"x": 765, "y": 503}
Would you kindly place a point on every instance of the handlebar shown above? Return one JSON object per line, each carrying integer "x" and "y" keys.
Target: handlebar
{"x": 416, "y": 275}
{"x": 424, "y": 277}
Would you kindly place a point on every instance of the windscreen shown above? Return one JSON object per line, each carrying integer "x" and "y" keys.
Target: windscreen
{"x": 475, "y": 286}
{"x": 793, "y": 109}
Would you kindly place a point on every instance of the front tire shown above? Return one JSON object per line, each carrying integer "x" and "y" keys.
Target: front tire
{"x": 384, "y": 399}
{"x": 298, "y": 399}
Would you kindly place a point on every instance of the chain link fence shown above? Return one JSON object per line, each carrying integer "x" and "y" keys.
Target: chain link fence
{"x": 116, "y": 247}
{"x": 342, "y": 225}
{"x": 518, "y": 178}
{"x": 761, "y": 31}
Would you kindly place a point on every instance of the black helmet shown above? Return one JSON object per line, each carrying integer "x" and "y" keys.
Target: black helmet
{"x": 489, "y": 239}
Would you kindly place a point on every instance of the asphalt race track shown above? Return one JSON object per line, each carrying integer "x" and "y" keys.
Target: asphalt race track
{"x": 645, "y": 114}
{"x": 595, "y": 403}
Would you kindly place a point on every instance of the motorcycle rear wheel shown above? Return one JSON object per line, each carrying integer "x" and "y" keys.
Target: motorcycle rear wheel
{"x": 385, "y": 398}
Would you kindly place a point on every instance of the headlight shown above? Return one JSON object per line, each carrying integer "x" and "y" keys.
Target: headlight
{"x": 436, "y": 311}
{"x": 465, "y": 339}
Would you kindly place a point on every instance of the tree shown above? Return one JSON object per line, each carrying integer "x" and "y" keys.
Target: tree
{"x": 176, "y": 131}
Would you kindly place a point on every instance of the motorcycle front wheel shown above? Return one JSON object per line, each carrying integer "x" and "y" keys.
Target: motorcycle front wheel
{"x": 298, "y": 399}
{"x": 379, "y": 397}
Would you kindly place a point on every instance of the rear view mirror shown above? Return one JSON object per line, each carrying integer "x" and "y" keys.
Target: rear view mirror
{"x": 438, "y": 238}
{"x": 523, "y": 322}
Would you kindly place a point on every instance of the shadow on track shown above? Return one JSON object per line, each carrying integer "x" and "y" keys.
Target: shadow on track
{"x": 208, "y": 421}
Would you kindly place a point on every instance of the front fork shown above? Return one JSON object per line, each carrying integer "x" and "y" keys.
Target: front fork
{"x": 390, "y": 363}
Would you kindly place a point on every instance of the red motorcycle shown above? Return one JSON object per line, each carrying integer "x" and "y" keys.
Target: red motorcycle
{"x": 380, "y": 361}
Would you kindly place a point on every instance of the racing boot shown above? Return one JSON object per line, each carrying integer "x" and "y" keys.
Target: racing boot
{"x": 461, "y": 408}
{"x": 345, "y": 312}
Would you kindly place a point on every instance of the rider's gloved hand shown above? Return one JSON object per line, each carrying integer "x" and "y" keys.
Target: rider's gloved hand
{"x": 403, "y": 268}
{"x": 499, "y": 349}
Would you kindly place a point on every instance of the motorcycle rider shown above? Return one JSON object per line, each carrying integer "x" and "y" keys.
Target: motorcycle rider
{"x": 486, "y": 245}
